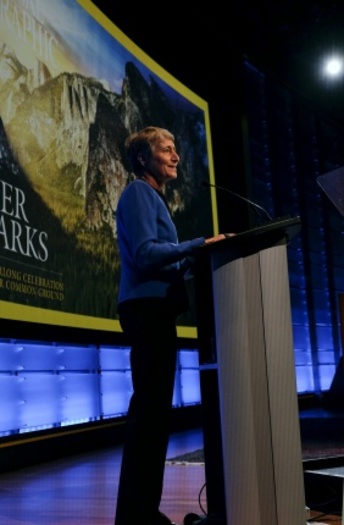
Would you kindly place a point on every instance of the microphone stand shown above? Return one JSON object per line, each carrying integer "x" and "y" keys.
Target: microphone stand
{"x": 256, "y": 207}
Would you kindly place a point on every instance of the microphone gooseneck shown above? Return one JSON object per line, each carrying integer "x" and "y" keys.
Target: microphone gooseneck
{"x": 255, "y": 206}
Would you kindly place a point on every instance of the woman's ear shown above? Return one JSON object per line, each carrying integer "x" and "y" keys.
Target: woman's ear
{"x": 142, "y": 160}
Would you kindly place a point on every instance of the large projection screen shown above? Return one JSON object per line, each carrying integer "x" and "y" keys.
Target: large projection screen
{"x": 72, "y": 87}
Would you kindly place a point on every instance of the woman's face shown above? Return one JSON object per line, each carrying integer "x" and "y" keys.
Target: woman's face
{"x": 163, "y": 162}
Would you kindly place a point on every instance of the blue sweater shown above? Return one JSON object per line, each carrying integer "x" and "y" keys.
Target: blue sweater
{"x": 152, "y": 260}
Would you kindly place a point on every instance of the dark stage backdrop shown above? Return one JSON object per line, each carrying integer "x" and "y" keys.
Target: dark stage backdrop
{"x": 290, "y": 146}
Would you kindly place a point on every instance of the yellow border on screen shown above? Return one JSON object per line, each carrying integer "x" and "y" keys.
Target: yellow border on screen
{"x": 19, "y": 312}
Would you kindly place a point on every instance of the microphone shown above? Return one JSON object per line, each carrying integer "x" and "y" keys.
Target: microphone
{"x": 256, "y": 207}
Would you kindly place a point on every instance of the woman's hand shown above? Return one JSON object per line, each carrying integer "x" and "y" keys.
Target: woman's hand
{"x": 219, "y": 237}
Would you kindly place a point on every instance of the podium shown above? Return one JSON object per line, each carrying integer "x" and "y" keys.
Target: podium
{"x": 252, "y": 443}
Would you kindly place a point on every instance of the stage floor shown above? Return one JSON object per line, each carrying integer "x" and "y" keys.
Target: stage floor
{"x": 81, "y": 489}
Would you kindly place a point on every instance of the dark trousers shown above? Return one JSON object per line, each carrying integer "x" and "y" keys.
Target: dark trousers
{"x": 151, "y": 327}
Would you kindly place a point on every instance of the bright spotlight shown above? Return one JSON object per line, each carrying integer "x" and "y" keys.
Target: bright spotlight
{"x": 334, "y": 67}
